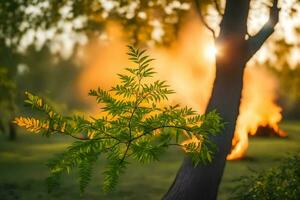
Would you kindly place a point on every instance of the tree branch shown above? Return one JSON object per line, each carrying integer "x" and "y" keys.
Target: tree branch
{"x": 107, "y": 134}
{"x": 125, "y": 153}
{"x": 161, "y": 127}
{"x": 79, "y": 138}
{"x": 255, "y": 42}
{"x": 218, "y": 7}
{"x": 202, "y": 18}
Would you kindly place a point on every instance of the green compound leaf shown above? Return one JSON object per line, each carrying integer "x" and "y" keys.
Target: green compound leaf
{"x": 135, "y": 123}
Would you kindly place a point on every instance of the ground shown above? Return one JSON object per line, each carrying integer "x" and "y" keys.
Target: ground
{"x": 23, "y": 170}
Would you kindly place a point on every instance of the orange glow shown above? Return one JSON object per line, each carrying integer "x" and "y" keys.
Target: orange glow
{"x": 258, "y": 108}
{"x": 184, "y": 65}
{"x": 189, "y": 67}
{"x": 211, "y": 52}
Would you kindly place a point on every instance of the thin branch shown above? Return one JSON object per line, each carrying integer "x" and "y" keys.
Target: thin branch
{"x": 175, "y": 144}
{"x": 107, "y": 134}
{"x": 172, "y": 126}
{"x": 136, "y": 103}
{"x": 218, "y": 7}
{"x": 161, "y": 127}
{"x": 202, "y": 18}
{"x": 66, "y": 133}
{"x": 82, "y": 138}
{"x": 248, "y": 35}
{"x": 131, "y": 116}
{"x": 113, "y": 146}
{"x": 125, "y": 153}
{"x": 255, "y": 42}
{"x": 79, "y": 138}
{"x": 76, "y": 137}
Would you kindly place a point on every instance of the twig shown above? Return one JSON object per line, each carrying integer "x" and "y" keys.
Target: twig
{"x": 198, "y": 8}
{"x": 218, "y": 7}
{"x": 256, "y": 41}
{"x": 160, "y": 127}
{"x": 125, "y": 153}
{"x": 175, "y": 144}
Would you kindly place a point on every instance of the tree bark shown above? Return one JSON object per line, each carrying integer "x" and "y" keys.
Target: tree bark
{"x": 2, "y": 129}
{"x": 12, "y": 131}
{"x": 202, "y": 182}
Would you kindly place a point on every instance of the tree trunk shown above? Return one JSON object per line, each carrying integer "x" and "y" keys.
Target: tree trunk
{"x": 2, "y": 129}
{"x": 202, "y": 182}
{"x": 12, "y": 131}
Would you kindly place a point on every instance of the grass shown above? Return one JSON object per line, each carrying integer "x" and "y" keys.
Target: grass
{"x": 23, "y": 170}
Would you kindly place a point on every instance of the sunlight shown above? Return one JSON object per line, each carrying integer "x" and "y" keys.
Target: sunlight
{"x": 211, "y": 52}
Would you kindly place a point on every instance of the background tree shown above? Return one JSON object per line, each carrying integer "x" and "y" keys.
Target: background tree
{"x": 23, "y": 71}
{"x": 288, "y": 73}
{"x": 202, "y": 182}
{"x": 7, "y": 104}
{"x": 8, "y": 89}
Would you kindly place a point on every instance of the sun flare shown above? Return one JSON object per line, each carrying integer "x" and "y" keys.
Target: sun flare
{"x": 211, "y": 52}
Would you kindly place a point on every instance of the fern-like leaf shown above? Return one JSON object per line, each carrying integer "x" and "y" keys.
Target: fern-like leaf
{"x": 134, "y": 124}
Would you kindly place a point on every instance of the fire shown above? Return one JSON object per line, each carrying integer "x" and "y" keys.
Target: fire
{"x": 188, "y": 65}
{"x": 258, "y": 109}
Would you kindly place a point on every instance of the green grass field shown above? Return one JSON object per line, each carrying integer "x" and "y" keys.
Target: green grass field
{"x": 23, "y": 170}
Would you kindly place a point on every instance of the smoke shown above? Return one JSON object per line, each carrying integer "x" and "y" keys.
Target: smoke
{"x": 184, "y": 64}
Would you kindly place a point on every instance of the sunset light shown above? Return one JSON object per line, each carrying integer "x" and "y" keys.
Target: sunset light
{"x": 211, "y": 52}
{"x": 158, "y": 99}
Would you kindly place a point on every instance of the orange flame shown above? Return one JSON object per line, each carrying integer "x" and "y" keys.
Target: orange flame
{"x": 190, "y": 72}
{"x": 258, "y": 108}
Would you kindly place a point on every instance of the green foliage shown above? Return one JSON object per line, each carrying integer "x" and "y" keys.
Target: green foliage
{"x": 134, "y": 123}
{"x": 278, "y": 183}
{"x": 139, "y": 18}
{"x": 6, "y": 84}
{"x": 7, "y": 87}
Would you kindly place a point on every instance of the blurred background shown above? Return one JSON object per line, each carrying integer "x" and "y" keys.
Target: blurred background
{"x": 60, "y": 50}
